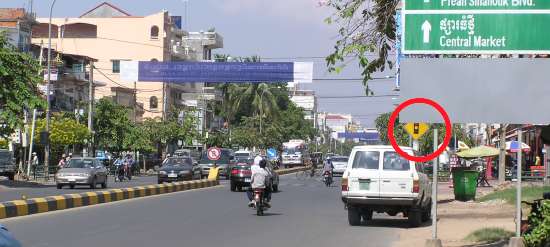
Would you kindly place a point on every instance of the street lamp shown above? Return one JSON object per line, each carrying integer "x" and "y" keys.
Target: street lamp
{"x": 47, "y": 151}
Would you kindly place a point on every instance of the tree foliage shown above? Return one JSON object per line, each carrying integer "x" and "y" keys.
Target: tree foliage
{"x": 399, "y": 132}
{"x": 63, "y": 132}
{"x": 19, "y": 79}
{"x": 366, "y": 27}
{"x": 111, "y": 125}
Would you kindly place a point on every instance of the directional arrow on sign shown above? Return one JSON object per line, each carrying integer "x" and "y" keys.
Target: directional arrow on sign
{"x": 426, "y": 1}
{"x": 426, "y": 28}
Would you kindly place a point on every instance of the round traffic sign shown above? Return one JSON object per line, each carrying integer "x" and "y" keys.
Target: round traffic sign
{"x": 214, "y": 153}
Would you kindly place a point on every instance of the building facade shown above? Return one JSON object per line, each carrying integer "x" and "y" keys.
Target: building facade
{"x": 17, "y": 24}
{"x": 111, "y": 35}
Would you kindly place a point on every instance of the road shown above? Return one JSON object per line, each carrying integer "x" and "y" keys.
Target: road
{"x": 304, "y": 213}
{"x": 14, "y": 190}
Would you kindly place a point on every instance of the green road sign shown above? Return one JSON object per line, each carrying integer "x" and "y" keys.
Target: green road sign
{"x": 476, "y": 33}
{"x": 476, "y": 4}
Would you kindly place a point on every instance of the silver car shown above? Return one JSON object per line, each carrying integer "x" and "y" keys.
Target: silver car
{"x": 340, "y": 163}
{"x": 82, "y": 171}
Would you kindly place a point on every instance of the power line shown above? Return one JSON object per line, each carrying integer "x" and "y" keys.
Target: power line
{"x": 358, "y": 96}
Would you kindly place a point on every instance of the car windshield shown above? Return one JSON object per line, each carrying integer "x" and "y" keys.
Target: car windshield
{"x": 244, "y": 160}
{"x": 80, "y": 163}
{"x": 394, "y": 161}
{"x": 340, "y": 159}
{"x": 242, "y": 155}
{"x": 366, "y": 160}
{"x": 178, "y": 162}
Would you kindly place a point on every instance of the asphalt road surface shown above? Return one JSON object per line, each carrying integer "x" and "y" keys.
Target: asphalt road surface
{"x": 305, "y": 213}
{"x": 14, "y": 190}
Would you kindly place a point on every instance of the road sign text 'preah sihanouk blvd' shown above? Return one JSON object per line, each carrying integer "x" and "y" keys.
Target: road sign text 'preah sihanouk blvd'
{"x": 476, "y": 27}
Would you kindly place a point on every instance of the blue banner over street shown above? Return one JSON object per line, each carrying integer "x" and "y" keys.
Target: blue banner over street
{"x": 185, "y": 72}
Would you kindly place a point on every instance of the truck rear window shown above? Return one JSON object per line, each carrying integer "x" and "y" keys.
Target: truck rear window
{"x": 394, "y": 161}
{"x": 366, "y": 160}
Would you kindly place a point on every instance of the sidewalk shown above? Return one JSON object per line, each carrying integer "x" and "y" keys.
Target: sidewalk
{"x": 458, "y": 219}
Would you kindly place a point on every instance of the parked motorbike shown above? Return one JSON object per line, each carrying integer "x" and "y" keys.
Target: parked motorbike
{"x": 327, "y": 178}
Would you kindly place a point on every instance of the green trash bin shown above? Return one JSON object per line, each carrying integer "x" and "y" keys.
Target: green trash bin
{"x": 465, "y": 183}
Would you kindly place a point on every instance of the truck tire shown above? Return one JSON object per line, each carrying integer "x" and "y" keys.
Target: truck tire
{"x": 11, "y": 176}
{"x": 415, "y": 217}
{"x": 366, "y": 214}
{"x": 233, "y": 187}
{"x": 354, "y": 217}
{"x": 427, "y": 212}
{"x": 275, "y": 188}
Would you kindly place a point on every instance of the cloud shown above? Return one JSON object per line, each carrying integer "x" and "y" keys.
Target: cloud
{"x": 300, "y": 11}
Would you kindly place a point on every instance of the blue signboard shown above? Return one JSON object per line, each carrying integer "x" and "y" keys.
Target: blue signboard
{"x": 271, "y": 153}
{"x": 398, "y": 33}
{"x": 177, "y": 21}
{"x": 179, "y": 72}
{"x": 359, "y": 135}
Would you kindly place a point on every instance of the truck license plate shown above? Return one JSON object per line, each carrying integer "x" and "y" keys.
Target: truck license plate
{"x": 172, "y": 175}
{"x": 247, "y": 180}
{"x": 364, "y": 185}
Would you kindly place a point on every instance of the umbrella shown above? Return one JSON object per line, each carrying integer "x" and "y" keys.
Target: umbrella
{"x": 514, "y": 146}
{"x": 479, "y": 152}
{"x": 462, "y": 146}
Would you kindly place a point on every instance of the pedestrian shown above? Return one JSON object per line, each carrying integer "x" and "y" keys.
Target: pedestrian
{"x": 34, "y": 163}
{"x": 69, "y": 157}
{"x": 214, "y": 172}
{"x": 62, "y": 162}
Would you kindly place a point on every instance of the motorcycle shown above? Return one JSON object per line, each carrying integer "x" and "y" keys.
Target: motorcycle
{"x": 259, "y": 204}
{"x": 327, "y": 178}
{"x": 120, "y": 173}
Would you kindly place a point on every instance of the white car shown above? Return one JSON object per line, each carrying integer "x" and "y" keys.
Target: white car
{"x": 340, "y": 164}
{"x": 378, "y": 179}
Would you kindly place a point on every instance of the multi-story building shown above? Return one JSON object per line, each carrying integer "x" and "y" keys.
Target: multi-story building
{"x": 17, "y": 24}
{"x": 111, "y": 35}
{"x": 308, "y": 101}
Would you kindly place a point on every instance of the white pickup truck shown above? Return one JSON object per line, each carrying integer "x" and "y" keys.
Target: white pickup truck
{"x": 378, "y": 179}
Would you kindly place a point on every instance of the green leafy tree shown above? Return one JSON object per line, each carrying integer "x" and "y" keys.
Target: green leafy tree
{"x": 399, "y": 132}
{"x": 63, "y": 132}
{"x": 366, "y": 27}
{"x": 111, "y": 125}
{"x": 19, "y": 79}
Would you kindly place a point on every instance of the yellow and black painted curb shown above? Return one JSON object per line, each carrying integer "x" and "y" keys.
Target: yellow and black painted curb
{"x": 292, "y": 170}
{"x": 53, "y": 203}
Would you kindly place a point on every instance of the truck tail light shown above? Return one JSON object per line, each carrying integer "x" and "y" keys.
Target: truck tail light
{"x": 416, "y": 186}
{"x": 234, "y": 172}
{"x": 345, "y": 184}
{"x": 247, "y": 172}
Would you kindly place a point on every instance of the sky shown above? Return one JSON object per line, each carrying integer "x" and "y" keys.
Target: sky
{"x": 276, "y": 30}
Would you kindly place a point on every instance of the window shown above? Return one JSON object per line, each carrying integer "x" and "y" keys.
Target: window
{"x": 116, "y": 66}
{"x": 366, "y": 160}
{"x": 154, "y": 32}
{"x": 153, "y": 102}
{"x": 394, "y": 161}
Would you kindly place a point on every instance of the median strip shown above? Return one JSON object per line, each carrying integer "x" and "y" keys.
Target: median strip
{"x": 292, "y": 170}
{"x": 18, "y": 208}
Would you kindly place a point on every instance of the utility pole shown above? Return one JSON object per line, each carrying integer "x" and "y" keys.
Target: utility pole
{"x": 47, "y": 146}
{"x": 31, "y": 143}
{"x": 135, "y": 101}
{"x": 91, "y": 108}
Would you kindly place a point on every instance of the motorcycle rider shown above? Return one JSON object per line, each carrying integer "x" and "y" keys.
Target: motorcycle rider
{"x": 259, "y": 180}
{"x": 328, "y": 167}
